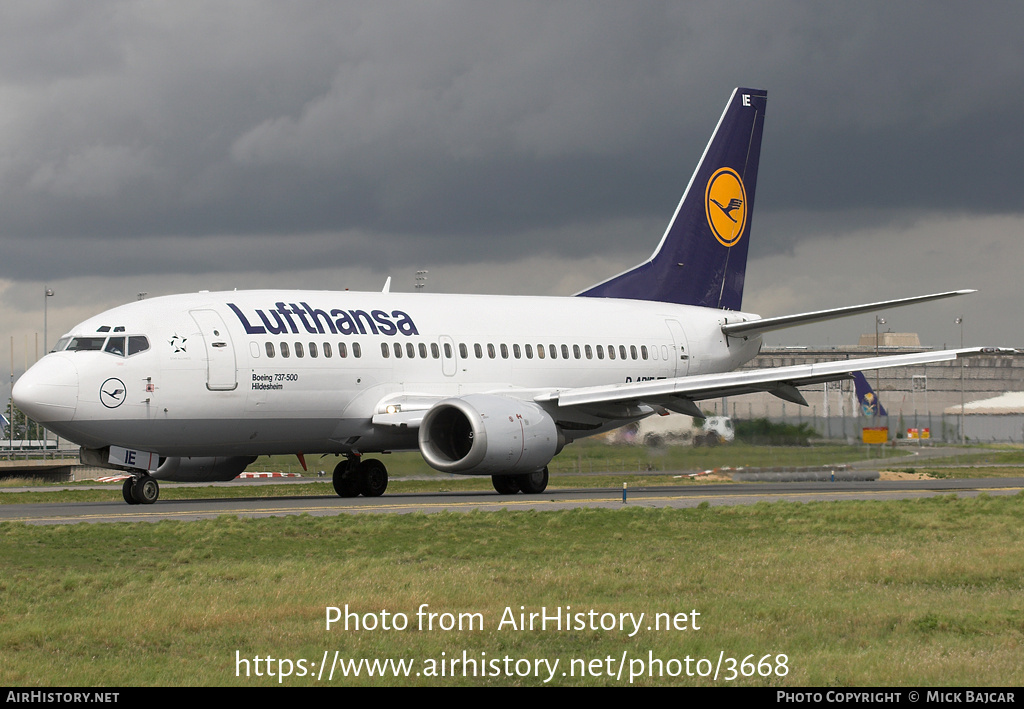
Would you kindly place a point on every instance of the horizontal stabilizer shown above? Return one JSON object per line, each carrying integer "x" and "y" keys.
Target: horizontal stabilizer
{"x": 753, "y": 327}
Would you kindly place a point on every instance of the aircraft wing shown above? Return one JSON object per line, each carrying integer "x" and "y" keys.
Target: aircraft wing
{"x": 637, "y": 399}
{"x": 680, "y": 393}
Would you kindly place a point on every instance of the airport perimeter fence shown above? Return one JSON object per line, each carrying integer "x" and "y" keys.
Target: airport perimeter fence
{"x": 917, "y": 428}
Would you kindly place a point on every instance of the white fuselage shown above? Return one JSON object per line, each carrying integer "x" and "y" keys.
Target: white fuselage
{"x": 268, "y": 372}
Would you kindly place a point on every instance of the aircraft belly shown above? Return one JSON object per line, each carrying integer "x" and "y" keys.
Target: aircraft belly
{"x": 216, "y": 436}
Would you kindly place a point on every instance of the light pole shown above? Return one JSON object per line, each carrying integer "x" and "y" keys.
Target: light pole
{"x": 878, "y": 389}
{"x": 960, "y": 322}
{"x": 47, "y": 293}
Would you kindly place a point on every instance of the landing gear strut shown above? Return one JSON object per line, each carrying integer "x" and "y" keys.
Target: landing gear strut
{"x": 530, "y": 483}
{"x": 141, "y": 490}
{"x": 353, "y": 477}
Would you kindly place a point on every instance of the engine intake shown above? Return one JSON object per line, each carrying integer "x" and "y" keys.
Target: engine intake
{"x": 485, "y": 434}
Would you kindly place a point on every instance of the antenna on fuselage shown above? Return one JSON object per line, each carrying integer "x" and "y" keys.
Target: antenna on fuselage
{"x": 387, "y": 285}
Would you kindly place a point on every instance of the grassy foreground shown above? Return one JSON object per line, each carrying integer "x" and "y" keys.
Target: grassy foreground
{"x": 925, "y": 592}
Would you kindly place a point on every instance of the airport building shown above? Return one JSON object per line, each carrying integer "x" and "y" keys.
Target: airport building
{"x": 918, "y": 397}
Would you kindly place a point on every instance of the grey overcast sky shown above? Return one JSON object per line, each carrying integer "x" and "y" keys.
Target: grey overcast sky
{"x": 508, "y": 147}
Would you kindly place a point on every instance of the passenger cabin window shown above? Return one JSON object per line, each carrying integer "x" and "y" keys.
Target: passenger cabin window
{"x": 270, "y": 349}
{"x": 285, "y": 352}
{"x": 357, "y": 351}
{"x": 327, "y": 350}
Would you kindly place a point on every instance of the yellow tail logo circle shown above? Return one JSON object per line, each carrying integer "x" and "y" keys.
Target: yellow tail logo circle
{"x": 725, "y": 203}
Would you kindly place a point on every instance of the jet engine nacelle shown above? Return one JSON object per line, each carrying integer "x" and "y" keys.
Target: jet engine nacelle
{"x": 203, "y": 469}
{"x": 485, "y": 434}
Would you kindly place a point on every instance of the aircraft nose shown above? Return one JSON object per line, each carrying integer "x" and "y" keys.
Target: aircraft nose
{"x": 48, "y": 391}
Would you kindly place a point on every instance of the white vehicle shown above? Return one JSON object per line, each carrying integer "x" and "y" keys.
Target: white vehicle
{"x": 716, "y": 429}
{"x": 674, "y": 429}
{"x": 195, "y": 386}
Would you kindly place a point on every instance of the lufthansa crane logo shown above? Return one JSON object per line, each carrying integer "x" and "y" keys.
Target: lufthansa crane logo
{"x": 112, "y": 393}
{"x": 725, "y": 203}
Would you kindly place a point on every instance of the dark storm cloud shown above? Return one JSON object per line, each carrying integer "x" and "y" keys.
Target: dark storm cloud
{"x": 261, "y": 136}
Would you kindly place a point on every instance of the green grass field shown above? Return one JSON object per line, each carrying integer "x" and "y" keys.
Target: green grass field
{"x": 925, "y": 592}
{"x": 593, "y": 456}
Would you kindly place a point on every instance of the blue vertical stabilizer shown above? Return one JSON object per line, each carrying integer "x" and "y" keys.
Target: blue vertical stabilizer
{"x": 866, "y": 397}
{"x": 702, "y": 257}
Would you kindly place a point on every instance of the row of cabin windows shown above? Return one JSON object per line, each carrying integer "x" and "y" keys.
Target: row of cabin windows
{"x": 433, "y": 351}
{"x": 518, "y": 352}
{"x": 411, "y": 350}
{"x": 314, "y": 350}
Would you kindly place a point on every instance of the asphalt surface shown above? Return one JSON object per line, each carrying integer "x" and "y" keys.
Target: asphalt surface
{"x": 552, "y": 499}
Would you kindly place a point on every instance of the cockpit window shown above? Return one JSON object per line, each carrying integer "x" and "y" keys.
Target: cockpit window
{"x": 85, "y": 344}
{"x": 136, "y": 344}
{"x": 116, "y": 345}
{"x": 113, "y": 345}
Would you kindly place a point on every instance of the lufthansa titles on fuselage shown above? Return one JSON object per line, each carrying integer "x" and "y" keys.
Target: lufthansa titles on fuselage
{"x": 286, "y": 318}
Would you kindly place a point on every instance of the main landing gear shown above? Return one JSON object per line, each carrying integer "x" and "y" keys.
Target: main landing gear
{"x": 353, "y": 477}
{"x": 530, "y": 483}
{"x": 140, "y": 490}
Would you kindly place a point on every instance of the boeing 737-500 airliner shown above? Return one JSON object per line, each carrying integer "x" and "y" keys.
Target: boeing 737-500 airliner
{"x": 196, "y": 386}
